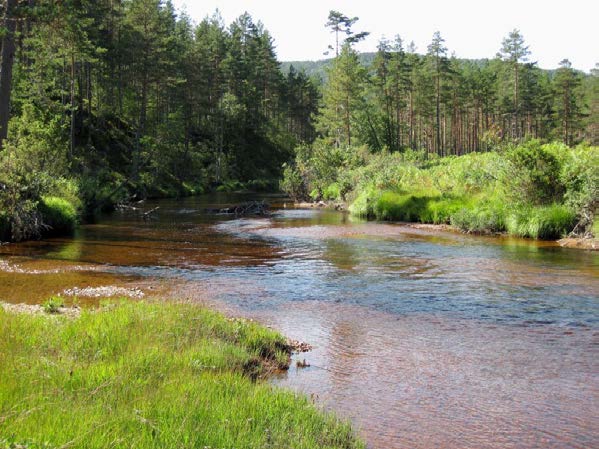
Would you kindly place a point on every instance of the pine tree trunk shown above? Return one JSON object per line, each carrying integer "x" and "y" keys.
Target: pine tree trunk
{"x": 6, "y": 62}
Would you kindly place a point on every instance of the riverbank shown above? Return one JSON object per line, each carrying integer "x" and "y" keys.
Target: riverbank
{"x": 533, "y": 190}
{"x": 590, "y": 244}
{"x": 59, "y": 213}
{"x": 154, "y": 375}
{"x": 584, "y": 243}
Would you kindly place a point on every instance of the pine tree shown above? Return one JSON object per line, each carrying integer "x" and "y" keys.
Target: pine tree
{"x": 439, "y": 63}
{"x": 514, "y": 52}
{"x": 342, "y": 98}
{"x": 567, "y": 102}
{"x": 7, "y": 57}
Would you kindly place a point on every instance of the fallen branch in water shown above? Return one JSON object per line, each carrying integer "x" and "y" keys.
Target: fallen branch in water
{"x": 148, "y": 215}
{"x": 251, "y": 208}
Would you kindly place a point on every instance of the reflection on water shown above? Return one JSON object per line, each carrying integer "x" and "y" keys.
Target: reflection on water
{"x": 423, "y": 339}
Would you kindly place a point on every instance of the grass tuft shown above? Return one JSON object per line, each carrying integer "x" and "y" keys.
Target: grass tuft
{"x": 53, "y": 304}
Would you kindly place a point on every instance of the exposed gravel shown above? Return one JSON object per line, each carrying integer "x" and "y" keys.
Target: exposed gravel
{"x": 108, "y": 291}
{"x": 32, "y": 309}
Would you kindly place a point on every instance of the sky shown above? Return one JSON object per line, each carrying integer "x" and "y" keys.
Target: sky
{"x": 553, "y": 30}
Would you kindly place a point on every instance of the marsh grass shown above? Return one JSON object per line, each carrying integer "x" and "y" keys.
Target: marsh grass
{"x": 150, "y": 375}
{"x": 541, "y": 222}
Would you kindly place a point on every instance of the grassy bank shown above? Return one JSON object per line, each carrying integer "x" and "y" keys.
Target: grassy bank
{"x": 150, "y": 376}
{"x": 532, "y": 190}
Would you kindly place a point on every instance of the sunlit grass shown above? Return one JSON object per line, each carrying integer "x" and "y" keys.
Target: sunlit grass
{"x": 150, "y": 375}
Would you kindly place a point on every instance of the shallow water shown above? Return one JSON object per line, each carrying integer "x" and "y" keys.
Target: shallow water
{"x": 423, "y": 339}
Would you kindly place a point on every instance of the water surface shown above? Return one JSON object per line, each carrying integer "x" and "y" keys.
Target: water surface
{"x": 423, "y": 339}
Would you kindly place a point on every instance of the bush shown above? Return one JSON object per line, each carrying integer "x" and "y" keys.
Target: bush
{"x": 440, "y": 211}
{"x": 362, "y": 206}
{"x": 332, "y": 192}
{"x": 402, "y": 207}
{"x": 293, "y": 183}
{"x": 533, "y": 176}
{"x": 58, "y": 214}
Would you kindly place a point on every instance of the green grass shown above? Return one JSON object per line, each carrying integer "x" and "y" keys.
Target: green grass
{"x": 537, "y": 195}
{"x": 427, "y": 207}
{"x": 485, "y": 217}
{"x": 59, "y": 214}
{"x": 541, "y": 222}
{"x": 150, "y": 375}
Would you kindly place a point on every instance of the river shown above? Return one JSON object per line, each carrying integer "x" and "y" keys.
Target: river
{"x": 422, "y": 338}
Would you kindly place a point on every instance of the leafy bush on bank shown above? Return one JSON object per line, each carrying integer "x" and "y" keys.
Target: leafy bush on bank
{"x": 531, "y": 190}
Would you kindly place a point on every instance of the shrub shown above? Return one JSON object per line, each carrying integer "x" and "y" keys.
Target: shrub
{"x": 332, "y": 192}
{"x": 58, "y": 214}
{"x": 403, "y": 207}
{"x": 293, "y": 183}
{"x": 362, "y": 206}
{"x": 533, "y": 175}
{"x": 440, "y": 211}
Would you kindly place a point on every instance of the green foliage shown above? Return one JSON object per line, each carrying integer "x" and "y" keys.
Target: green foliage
{"x": 58, "y": 215}
{"x": 483, "y": 218}
{"x": 343, "y": 99}
{"x": 293, "y": 183}
{"x": 332, "y": 192}
{"x": 121, "y": 100}
{"x": 484, "y": 193}
{"x": 169, "y": 374}
{"x": 533, "y": 176}
{"x": 541, "y": 222}
{"x": 53, "y": 304}
{"x": 32, "y": 166}
{"x": 441, "y": 210}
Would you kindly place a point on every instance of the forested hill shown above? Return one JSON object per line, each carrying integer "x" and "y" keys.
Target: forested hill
{"x": 318, "y": 69}
{"x": 106, "y": 101}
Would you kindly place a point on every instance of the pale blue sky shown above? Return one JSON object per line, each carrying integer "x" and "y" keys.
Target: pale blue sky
{"x": 554, "y": 30}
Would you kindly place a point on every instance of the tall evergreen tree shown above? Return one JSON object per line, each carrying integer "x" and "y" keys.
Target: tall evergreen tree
{"x": 514, "y": 52}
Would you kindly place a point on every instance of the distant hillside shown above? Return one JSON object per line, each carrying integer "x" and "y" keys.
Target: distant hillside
{"x": 317, "y": 69}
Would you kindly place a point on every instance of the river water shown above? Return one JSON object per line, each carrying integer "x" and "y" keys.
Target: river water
{"x": 423, "y": 339}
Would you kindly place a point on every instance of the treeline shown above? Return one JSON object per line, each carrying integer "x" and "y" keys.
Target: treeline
{"x": 106, "y": 98}
{"x": 435, "y": 139}
{"x": 448, "y": 106}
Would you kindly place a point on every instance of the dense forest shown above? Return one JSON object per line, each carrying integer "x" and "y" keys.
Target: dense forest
{"x": 102, "y": 100}
{"x": 108, "y": 101}
{"x": 436, "y": 139}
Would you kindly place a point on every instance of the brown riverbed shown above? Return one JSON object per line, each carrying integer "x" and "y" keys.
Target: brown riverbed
{"x": 423, "y": 339}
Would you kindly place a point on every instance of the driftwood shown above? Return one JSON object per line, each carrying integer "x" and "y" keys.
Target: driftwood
{"x": 148, "y": 215}
{"x": 259, "y": 208}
